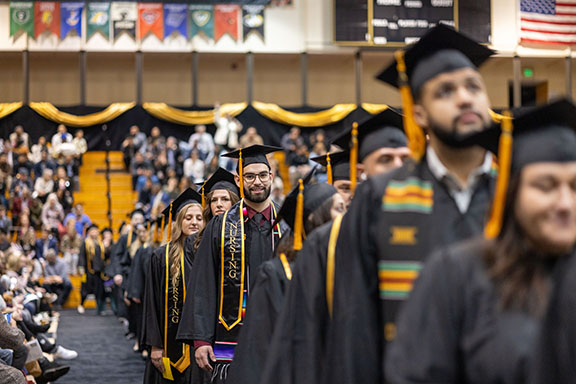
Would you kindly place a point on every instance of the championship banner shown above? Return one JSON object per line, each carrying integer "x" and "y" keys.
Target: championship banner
{"x": 124, "y": 15}
{"x": 46, "y": 18}
{"x": 98, "y": 19}
{"x": 226, "y": 21}
{"x": 253, "y": 20}
{"x": 202, "y": 20}
{"x": 175, "y": 20}
{"x": 150, "y": 20}
{"x": 71, "y": 16}
{"x": 21, "y": 18}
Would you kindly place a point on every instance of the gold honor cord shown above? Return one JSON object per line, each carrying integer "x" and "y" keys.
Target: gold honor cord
{"x": 241, "y": 174}
{"x": 184, "y": 360}
{"x": 90, "y": 252}
{"x": 329, "y": 169}
{"x": 353, "y": 157}
{"x": 129, "y": 239}
{"x": 331, "y": 263}
{"x": 286, "y": 265}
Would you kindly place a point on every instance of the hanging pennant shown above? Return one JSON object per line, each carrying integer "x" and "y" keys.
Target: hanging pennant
{"x": 21, "y": 18}
{"x": 202, "y": 20}
{"x": 71, "y": 16}
{"x": 98, "y": 19}
{"x": 175, "y": 20}
{"x": 253, "y": 20}
{"x": 226, "y": 21}
{"x": 124, "y": 15}
{"x": 150, "y": 20}
{"x": 46, "y": 18}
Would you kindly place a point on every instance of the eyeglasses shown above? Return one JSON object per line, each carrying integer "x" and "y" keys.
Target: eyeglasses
{"x": 251, "y": 177}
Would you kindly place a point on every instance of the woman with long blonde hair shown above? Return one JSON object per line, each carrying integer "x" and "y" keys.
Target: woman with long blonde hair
{"x": 165, "y": 291}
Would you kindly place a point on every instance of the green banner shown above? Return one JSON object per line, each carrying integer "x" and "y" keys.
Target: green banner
{"x": 98, "y": 19}
{"x": 22, "y": 17}
{"x": 202, "y": 20}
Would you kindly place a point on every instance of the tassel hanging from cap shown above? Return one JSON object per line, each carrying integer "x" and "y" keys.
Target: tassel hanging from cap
{"x": 241, "y": 172}
{"x": 299, "y": 217}
{"x": 203, "y": 196}
{"x": 148, "y": 227}
{"x": 169, "y": 236}
{"x": 494, "y": 225}
{"x": 353, "y": 156}
{"x": 155, "y": 237}
{"x": 329, "y": 168}
{"x": 162, "y": 227}
{"x": 415, "y": 134}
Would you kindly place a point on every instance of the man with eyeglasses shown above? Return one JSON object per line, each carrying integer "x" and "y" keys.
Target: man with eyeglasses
{"x": 234, "y": 245}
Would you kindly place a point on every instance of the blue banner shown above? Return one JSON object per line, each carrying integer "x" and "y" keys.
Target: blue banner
{"x": 176, "y": 20}
{"x": 71, "y": 18}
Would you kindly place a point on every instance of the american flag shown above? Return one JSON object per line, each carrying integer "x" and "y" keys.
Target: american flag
{"x": 548, "y": 21}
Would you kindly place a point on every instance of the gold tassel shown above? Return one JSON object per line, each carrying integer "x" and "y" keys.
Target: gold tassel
{"x": 415, "y": 134}
{"x": 162, "y": 227}
{"x": 169, "y": 236}
{"x": 494, "y": 224}
{"x": 353, "y": 156}
{"x": 129, "y": 240}
{"x": 329, "y": 168}
{"x": 298, "y": 218}
{"x": 203, "y": 196}
{"x": 240, "y": 171}
{"x": 148, "y": 228}
{"x": 155, "y": 237}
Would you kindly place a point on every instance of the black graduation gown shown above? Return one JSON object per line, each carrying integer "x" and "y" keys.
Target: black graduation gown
{"x": 138, "y": 273}
{"x": 200, "y": 320}
{"x": 266, "y": 302}
{"x": 295, "y": 351}
{"x": 452, "y": 329}
{"x": 94, "y": 283}
{"x": 154, "y": 306}
{"x": 375, "y": 234}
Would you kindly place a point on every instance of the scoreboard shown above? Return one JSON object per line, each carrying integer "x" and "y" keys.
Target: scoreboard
{"x": 400, "y": 22}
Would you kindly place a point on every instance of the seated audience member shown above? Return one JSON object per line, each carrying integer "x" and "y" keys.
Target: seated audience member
{"x": 81, "y": 219}
{"x": 4, "y": 240}
{"x": 44, "y": 185}
{"x": 23, "y": 202}
{"x": 202, "y": 141}
{"x": 5, "y": 221}
{"x": 194, "y": 167}
{"x": 251, "y": 137}
{"x": 156, "y": 143}
{"x": 61, "y": 140}
{"x": 45, "y": 162}
{"x": 70, "y": 245}
{"x": 46, "y": 242}
{"x": 26, "y": 236}
{"x": 37, "y": 149}
{"x": 80, "y": 144}
{"x": 56, "y": 278}
{"x": 20, "y": 141}
{"x": 21, "y": 180}
{"x": 22, "y": 162}
{"x": 52, "y": 212}
{"x": 11, "y": 341}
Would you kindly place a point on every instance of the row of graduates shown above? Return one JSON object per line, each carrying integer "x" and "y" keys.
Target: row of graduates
{"x": 443, "y": 270}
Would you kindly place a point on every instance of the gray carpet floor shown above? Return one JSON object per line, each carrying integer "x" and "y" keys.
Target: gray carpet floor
{"x": 104, "y": 354}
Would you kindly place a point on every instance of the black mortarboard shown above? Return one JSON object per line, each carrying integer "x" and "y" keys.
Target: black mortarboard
{"x": 136, "y": 211}
{"x": 106, "y": 229}
{"x": 542, "y": 134}
{"x": 442, "y": 49}
{"x": 339, "y": 162}
{"x": 221, "y": 179}
{"x": 91, "y": 226}
{"x": 384, "y": 130}
{"x": 186, "y": 197}
{"x": 301, "y": 202}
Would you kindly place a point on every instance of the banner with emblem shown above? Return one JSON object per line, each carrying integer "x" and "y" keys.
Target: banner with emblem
{"x": 46, "y": 18}
{"x": 71, "y": 17}
{"x": 253, "y": 20}
{"x": 175, "y": 20}
{"x": 124, "y": 15}
{"x": 98, "y": 19}
{"x": 202, "y": 20}
{"x": 226, "y": 21}
{"x": 150, "y": 20}
{"x": 21, "y": 17}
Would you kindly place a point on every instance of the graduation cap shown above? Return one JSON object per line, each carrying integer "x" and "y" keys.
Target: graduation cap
{"x": 91, "y": 226}
{"x": 186, "y": 197}
{"x": 250, "y": 155}
{"x": 442, "y": 49}
{"x": 301, "y": 202}
{"x": 385, "y": 130}
{"x": 221, "y": 179}
{"x": 542, "y": 134}
{"x": 135, "y": 212}
{"x": 337, "y": 165}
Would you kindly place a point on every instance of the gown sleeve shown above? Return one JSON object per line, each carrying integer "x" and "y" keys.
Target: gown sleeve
{"x": 82, "y": 256}
{"x": 152, "y": 334}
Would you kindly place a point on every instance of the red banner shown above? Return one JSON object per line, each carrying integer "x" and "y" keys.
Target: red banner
{"x": 226, "y": 21}
{"x": 46, "y": 17}
{"x": 151, "y": 19}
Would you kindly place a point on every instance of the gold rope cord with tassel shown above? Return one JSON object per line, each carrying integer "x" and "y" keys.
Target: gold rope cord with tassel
{"x": 169, "y": 236}
{"x": 416, "y": 137}
{"x": 494, "y": 224}
{"x": 286, "y": 266}
{"x": 329, "y": 168}
{"x": 331, "y": 263}
{"x": 353, "y": 156}
{"x": 129, "y": 239}
{"x": 203, "y": 196}
{"x": 240, "y": 174}
{"x": 299, "y": 217}
{"x": 155, "y": 236}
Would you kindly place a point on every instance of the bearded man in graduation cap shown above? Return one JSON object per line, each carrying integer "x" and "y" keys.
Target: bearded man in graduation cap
{"x": 234, "y": 245}
{"x": 397, "y": 219}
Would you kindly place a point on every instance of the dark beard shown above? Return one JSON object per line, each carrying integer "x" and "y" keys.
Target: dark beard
{"x": 450, "y": 136}
{"x": 257, "y": 199}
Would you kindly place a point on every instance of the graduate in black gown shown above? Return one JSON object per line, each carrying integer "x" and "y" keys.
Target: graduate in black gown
{"x": 398, "y": 218}
{"x": 165, "y": 292}
{"x": 92, "y": 263}
{"x": 297, "y": 348}
{"x": 477, "y": 309}
{"x": 233, "y": 246}
{"x": 305, "y": 208}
